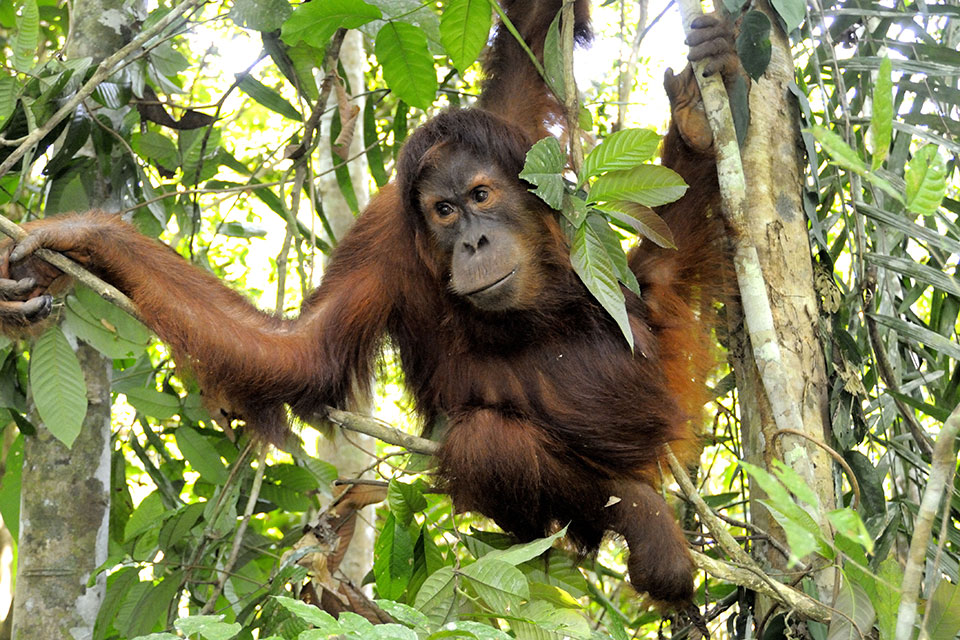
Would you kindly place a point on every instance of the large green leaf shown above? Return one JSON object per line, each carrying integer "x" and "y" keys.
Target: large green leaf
{"x": 611, "y": 242}
{"x": 623, "y": 149}
{"x": 881, "y": 122}
{"x": 260, "y": 15}
{"x": 753, "y": 43}
{"x": 59, "y": 390}
{"x": 597, "y": 271}
{"x": 858, "y": 614}
{"x": 527, "y": 551}
{"x": 392, "y": 560}
{"x": 267, "y": 97}
{"x": 943, "y": 621}
{"x": 9, "y": 89}
{"x": 201, "y": 455}
{"x": 208, "y": 627}
{"x": 464, "y": 27}
{"x": 26, "y": 38}
{"x": 926, "y": 180}
{"x": 310, "y": 614}
{"x": 791, "y": 11}
{"x": 500, "y": 584}
{"x": 316, "y": 22}
{"x": 408, "y": 70}
{"x": 436, "y": 597}
{"x": 650, "y": 184}
{"x": 642, "y": 219}
{"x": 543, "y": 168}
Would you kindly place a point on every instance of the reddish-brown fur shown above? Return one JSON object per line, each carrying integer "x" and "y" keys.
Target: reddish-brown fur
{"x": 549, "y": 416}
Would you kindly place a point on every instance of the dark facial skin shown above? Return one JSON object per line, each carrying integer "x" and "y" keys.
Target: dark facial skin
{"x": 481, "y": 221}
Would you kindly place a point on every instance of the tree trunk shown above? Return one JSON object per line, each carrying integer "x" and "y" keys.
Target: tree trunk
{"x": 65, "y": 513}
{"x": 339, "y": 450}
{"x": 778, "y": 226}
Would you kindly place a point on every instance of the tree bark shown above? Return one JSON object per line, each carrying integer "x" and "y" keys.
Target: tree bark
{"x": 778, "y": 229}
{"x": 65, "y": 513}
{"x": 339, "y": 449}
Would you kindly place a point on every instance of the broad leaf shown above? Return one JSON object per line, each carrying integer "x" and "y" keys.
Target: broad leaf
{"x": 943, "y": 621}
{"x": 642, "y": 219}
{"x": 464, "y": 27}
{"x": 526, "y": 551}
{"x": 310, "y": 614}
{"x": 59, "y": 390}
{"x": 407, "y": 64}
{"x": 26, "y": 37}
{"x": 316, "y": 22}
{"x": 651, "y": 185}
{"x": 436, "y": 597}
{"x": 858, "y": 614}
{"x": 753, "y": 43}
{"x": 201, "y": 455}
{"x": 591, "y": 262}
{"x": 500, "y": 584}
{"x": 611, "y": 242}
{"x": 791, "y": 11}
{"x": 260, "y": 15}
{"x": 392, "y": 562}
{"x": 267, "y": 97}
{"x": 926, "y": 179}
{"x": 543, "y": 168}
{"x": 623, "y": 149}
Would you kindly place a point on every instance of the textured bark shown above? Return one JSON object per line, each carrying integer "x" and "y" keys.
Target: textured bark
{"x": 64, "y": 515}
{"x": 778, "y": 230}
{"x": 340, "y": 449}
{"x": 65, "y": 502}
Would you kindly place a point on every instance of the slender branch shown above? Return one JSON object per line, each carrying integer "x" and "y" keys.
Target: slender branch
{"x": 753, "y": 293}
{"x": 381, "y": 431}
{"x": 746, "y": 577}
{"x": 104, "y": 70}
{"x": 712, "y": 522}
{"x": 227, "y": 570}
{"x": 943, "y": 466}
{"x": 71, "y": 268}
{"x": 571, "y": 104}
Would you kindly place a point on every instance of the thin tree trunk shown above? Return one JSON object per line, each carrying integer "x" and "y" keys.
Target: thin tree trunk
{"x": 778, "y": 229}
{"x": 65, "y": 504}
{"x": 340, "y": 450}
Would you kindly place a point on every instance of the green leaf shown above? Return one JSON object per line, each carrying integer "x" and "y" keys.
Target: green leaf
{"x": 109, "y": 329}
{"x": 943, "y": 620}
{"x": 651, "y": 185}
{"x": 148, "y": 514}
{"x": 553, "y": 60}
{"x": 611, "y": 242}
{"x": 643, "y": 220}
{"x": 917, "y": 333}
{"x": 858, "y": 614}
{"x": 926, "y": 179}
{"x": 542, "y": 621}
{"x": 842, "y": 154}
{"x": 9, "y": 91}
{"x": 201, "y": 455}
{"x": 405, "y": 500}
{"x": 393, "y": 559}
{"x": 260, "y": 15}
{"x": 153, "y": 403}
{"x": 501, "y": 585}
{"x": 59, "y": 390}
{"x": 26, "y": 37}
{"x": 543, "y": 168}
{"x": 436, "y": 598}
{"x": 527, "y": 551}
{"x": 791, "y": 11}
{"x": 796, "y": 484}
{"x": 753, "y": 43}
{"x": 209, "y": 627}
{"x": 887, "y": 601}
{"x": 10, "y": 487}
{"x": 464, "y": 27}
{"x": 267, "y": 97}
{"x": 848, "y": 522}
{"x": 575, "y": 209}
{"x": 371, "y": 141}
{"x": 881, "y": 122}
{"x": 316, "y": 22}
{"x": 310, "y": 614}
{"x": 408, "y": 70}
{"x": 595, "y": 268}
{"x": 623, "y": 149}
